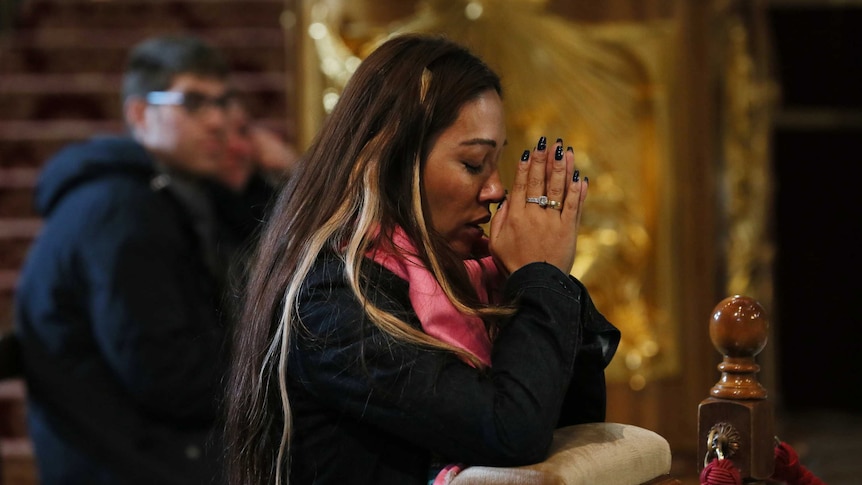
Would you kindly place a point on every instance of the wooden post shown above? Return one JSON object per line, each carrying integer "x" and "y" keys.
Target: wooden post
{"x": 736, "y": 422}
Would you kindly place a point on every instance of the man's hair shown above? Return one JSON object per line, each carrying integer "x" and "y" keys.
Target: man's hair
{"x": 153, "y": 64}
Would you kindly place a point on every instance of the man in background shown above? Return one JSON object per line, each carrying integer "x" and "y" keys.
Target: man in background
{"x": 118, "y": 304}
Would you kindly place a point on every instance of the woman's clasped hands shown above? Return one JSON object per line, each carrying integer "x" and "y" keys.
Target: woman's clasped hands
{"x": 540, "y": 219}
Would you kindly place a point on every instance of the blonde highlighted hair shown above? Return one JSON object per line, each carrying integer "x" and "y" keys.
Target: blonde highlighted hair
{"x": 370, "y": 152}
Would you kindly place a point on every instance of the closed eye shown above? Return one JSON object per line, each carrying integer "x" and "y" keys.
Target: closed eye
{"x": 474, "y": 169}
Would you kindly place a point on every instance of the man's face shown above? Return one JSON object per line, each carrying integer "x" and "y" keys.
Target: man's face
{"x": 187, "y": 133}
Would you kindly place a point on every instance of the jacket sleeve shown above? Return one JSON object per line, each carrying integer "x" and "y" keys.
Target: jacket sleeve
{"x": 152, "y": 306}
{"x": 503, "y": 416}
{"x": 586, "y": 398}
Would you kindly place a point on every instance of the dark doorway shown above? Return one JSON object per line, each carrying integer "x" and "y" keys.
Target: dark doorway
{"x": 818, "y": 206}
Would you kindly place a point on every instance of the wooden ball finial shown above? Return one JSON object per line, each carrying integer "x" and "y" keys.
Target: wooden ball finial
{"x": 738, "y": 329}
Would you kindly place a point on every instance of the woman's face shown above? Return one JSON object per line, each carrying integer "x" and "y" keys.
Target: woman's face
{"x": 237, "y": 163}
{"x": 460, "y": 178}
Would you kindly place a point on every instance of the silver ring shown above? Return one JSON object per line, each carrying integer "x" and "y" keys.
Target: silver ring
{"x": 542, "y": 200}
{"x": 553, "y": 204}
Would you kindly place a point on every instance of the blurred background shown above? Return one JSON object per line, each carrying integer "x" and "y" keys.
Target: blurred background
{"x": 720, "y": 138}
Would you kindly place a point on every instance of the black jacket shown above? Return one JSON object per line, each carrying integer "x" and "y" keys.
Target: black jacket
{"x": 369, "y": 410}
{"x": 116, "y": 311}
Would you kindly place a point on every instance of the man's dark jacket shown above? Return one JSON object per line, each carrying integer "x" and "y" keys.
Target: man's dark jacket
{"x": 122, "y": 345}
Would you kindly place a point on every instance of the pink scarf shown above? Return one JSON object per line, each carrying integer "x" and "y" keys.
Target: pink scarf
{"x": 439, "y": 318}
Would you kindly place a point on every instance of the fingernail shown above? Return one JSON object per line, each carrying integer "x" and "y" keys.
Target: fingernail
{"x": 570, "y": 149}
{"x": 543, "y": 143}
{"x": 586, "y": 179}
{"x": 525, "y": 156}
{"x": 576, "y": 176}
{"x": 558, "y": 155}
{"x": 559, "y": 140}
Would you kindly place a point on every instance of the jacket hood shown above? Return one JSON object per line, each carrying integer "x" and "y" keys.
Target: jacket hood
{"x": 80, "y": 163}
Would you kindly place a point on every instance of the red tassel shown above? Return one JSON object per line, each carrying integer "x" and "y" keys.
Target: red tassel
{"x": 720, "y": 472}
{"x": 788, "y": 469}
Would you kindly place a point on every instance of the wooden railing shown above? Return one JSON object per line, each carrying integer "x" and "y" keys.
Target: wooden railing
{"x": 736, "y": 422}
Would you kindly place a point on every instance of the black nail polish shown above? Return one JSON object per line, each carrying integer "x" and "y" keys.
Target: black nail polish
{"x": 587, "y": 180}
{"x": 570, "y": 149}
{"x": 558, "y": 154}
{"x": 576, "y": 176}
{"x": 525, "y": 156}
{"x": 543, "y": 143}
{"x": 559, "y": 140}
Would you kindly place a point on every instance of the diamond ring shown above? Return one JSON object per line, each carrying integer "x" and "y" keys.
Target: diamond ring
{"x": 542, "y": 201}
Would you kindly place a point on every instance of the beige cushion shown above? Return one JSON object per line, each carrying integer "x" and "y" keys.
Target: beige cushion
{"x": 585, "y": 454}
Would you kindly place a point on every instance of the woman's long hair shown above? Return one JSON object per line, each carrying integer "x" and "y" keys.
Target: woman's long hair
{"x": 359, "y": 180}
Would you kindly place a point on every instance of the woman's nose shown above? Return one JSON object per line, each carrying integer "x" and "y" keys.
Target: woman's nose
{"x": 493, "y": 190}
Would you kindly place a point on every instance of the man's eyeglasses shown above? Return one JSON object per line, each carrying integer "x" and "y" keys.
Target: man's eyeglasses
{"x": 192, "y": 101}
